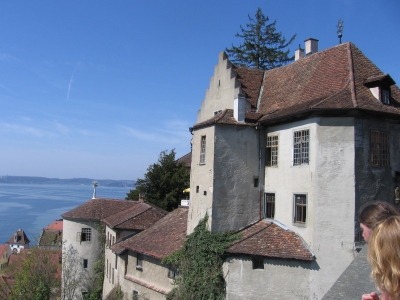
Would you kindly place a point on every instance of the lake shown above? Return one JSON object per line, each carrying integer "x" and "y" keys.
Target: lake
{"x": 31, "y": 207}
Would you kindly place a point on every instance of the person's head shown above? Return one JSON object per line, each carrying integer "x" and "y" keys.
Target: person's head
{"x": 384, "y": 255}
{"x": 373, "y": 214}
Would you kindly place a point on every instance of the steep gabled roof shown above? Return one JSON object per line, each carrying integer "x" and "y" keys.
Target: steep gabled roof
{"x": 250, "y": 80}
{"x": 138, "y": 217}
{"x": 269, "y": 239}
{"x": 98, "y": 209}
{"x": 335, "y": 80}
{"x": 22, "y": 239}
{"x": 160, "y": 240}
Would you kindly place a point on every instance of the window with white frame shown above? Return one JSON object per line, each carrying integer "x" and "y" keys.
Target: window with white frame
{"x": 300, "y": 208}
{"x": 379, "y": 148}
{"x": 271, "y": 155}
{"x": 203, "y": 150}
{"x": 269, "y": 205}
{"x": 301, "y": 147}
{"x": 86, "y": 234}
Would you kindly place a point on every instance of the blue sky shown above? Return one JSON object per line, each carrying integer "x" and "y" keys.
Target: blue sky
{"x": 99, "y": 88}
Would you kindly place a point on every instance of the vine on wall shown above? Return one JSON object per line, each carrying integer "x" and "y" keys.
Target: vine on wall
{"x": 199, "y": 263}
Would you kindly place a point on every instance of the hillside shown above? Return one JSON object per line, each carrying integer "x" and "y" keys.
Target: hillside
{"x": 72, "y": 181}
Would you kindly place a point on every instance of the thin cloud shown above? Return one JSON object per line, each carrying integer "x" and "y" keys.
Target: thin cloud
{"x": 4, "y": 57}
{"x": 149, "y": 137}
{"x": 71, "y": 80}
{"x": 61, "y": 128}
{"x": 21, "y": 129}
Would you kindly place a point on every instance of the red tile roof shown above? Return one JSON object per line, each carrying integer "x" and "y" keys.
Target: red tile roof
{"x": 333, "y": 80}
{"x": 98, "y": 209}
{"x": 186, "y": 160}
{"x": 160, "y": 240}
{"x": 268, "y": 239}
{"x": 138, "y": 217}
{"x": 2, "y": 250}
{"x": 56, "y": 225}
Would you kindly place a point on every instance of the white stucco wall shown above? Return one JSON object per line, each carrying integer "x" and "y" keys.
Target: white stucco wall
{"x": 223, "y": 89}
{"x": 110, "y": 265}
{"x": 329, "y": 183}
{"x": 235, "y": 198}
{"x": 153, "y": 273}
{"x": 89, "y": 250}
{"x": 202, "y": 176}
{"x": 280, "y": 279}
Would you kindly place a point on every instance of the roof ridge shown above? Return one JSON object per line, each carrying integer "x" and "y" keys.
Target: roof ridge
{"x": 333, "y": 95}
{"x": 129, "y": 218}
{"x": 351, "y": 75}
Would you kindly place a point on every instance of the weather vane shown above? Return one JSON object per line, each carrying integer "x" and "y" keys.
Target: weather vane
{"x": 339, "y": 27}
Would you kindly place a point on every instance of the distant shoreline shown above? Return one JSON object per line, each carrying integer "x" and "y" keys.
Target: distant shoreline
{"x": 72, "y": 181}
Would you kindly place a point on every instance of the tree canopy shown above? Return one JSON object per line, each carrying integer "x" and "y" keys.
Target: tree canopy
{"x": 164, "y": 182}
{"x": 262, "y": 47}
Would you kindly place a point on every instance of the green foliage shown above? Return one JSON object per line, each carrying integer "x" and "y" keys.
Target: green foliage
{"x": 35, "y": 274}
{"x": 262, "y": 47}
{"x": 164, "y": 182}
{"x": 199, "y": 263}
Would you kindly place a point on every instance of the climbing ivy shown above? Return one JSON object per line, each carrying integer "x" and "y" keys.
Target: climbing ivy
{"x": 199, "y": 263}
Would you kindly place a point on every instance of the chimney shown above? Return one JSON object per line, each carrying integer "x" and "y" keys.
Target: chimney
{"x": 239, "y": 108}
{"x": 299, "y": 53}
{"x": 141, "y": 197}
{"x": 311, "y": 46}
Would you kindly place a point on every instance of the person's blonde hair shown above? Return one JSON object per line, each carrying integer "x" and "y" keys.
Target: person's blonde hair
{"x": 384, "y": 256}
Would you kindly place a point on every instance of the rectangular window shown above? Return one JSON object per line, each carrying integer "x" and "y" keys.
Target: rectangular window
{"x": 203, "y": 150}
{"x": 258, "y": 263}
{"x": 385, "y": 96}
{"x": 107, "y": 269}
{"x": 172, "y": 273}
{"x": 301, "y": 147}
{"x": 271, "y": 156}
{"x": 86, "y": 235}
{"x": 139, "y": 261}
{"x": 300, "y": 209}
{"x": 85, "y": 263}
{"x": 269, "y": 206}
{"x": 379, "y": 148}
{"x": 112, "y": 275}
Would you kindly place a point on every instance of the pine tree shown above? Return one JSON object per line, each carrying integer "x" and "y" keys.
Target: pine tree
{"x": 263, "y": 47}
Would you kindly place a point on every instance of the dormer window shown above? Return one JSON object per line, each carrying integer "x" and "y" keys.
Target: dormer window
{"x": 379, "y": 86}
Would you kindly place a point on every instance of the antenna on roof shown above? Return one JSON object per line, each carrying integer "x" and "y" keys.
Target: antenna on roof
{"x": 339, "y": 27}
{"x": 95, "y": 184}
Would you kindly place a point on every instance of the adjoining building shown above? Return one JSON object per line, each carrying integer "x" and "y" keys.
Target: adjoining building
{"x": 18, "y": 241}
{"x": 100, "y": 222}
{"x": 51, "y": 237}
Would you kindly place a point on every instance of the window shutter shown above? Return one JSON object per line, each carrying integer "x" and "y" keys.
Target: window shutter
{"x": 79, "y": 236}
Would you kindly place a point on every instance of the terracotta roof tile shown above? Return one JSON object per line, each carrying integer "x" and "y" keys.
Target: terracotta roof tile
{"x": 160, "y": 240}
{"x": 334, "y": 80}
{"x": 98, "y": 209}
{"x": 2, "y": 249}
{"x": 186, "y": 159}
{"x": 267, "y": 239}
{"x": 250, "y": 80}
{"x": 138, "y": 217}
{"x": 226, "y": 117}
{"x": 56, "y": 225}
{"x": 51, "y": 238}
